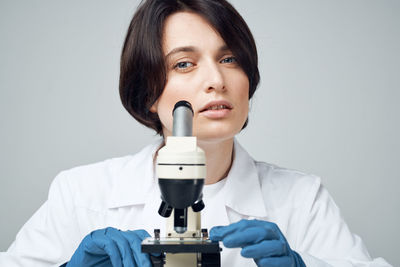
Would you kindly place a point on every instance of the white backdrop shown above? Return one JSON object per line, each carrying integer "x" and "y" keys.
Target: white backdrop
{"x": 327, "y": 103}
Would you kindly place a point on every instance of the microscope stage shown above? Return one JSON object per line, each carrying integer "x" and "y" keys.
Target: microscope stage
{"x": 179, "y": 245}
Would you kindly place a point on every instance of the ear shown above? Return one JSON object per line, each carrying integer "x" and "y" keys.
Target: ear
{"x": 154, "y": 107}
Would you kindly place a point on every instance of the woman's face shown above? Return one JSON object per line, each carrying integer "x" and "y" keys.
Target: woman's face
{"x": 202, "y": 70}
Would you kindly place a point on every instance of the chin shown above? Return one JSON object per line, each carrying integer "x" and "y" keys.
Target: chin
{"x": 215, "y": 135}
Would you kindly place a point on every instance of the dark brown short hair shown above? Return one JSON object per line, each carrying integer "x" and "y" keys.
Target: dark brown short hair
{"x": 143, "y": 71}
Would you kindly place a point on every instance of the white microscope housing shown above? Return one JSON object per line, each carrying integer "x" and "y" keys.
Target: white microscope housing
{"x": 181, "y": 172}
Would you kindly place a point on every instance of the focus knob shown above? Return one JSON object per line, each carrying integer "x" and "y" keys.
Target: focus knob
{"x": 165, "y": 210}
{"x": 198, "y": 206}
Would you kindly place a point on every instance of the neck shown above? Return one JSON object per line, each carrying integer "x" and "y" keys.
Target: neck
{"x": 218, "y": 159}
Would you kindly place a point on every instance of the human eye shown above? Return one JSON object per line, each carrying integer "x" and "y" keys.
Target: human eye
{"x": 228, "y": 60}
{"x": 183, "y": 65}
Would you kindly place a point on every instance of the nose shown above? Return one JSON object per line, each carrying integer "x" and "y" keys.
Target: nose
{"x": 213, "y": 78}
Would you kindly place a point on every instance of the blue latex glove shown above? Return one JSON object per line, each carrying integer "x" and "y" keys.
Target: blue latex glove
{"x": 111, "y": 247}
{"x": 260, "y": 240}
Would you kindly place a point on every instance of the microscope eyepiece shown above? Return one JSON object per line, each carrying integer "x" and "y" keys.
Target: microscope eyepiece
{"x": 183, "y": 119}
{"x": 182, "y": 103}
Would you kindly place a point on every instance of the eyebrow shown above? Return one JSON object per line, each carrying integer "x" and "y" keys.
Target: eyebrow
{"x": 181, "y": 49}
{"x": 191, "y": 49}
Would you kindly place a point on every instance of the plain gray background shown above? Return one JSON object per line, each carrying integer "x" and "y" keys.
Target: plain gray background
{"x": 327, "y": 103}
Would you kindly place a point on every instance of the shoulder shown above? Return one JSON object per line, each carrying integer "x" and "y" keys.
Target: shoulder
{"x": 283, "y": 185}
{"x": 100, "y": 173}
{"x": 96, "y": 175}
{"x": 279, "y": 186}
{"x": 90, "y": 185}
{"x": 273, "y": 174}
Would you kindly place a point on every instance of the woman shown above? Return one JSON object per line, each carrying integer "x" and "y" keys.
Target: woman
{"x": 203, "y": 52}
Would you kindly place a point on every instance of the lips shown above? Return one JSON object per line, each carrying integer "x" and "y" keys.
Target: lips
{"x": 217, "y": 105}
{"x": 216, "y": 110}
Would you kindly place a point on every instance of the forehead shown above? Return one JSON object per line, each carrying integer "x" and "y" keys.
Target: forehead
{"x": 189, "y": 29}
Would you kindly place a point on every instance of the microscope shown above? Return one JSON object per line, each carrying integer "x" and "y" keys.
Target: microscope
{"x": 181, "y": 171}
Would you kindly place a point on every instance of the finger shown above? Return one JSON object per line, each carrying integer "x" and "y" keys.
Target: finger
{"x": 135, "y": 239}
{"x": 297, "y": 258}
{"x": 270, "y": 230}
{"x": 143, "y": 234}
{"x": 85, "y": 252}
{"x": 252, "y": 235}
{"x": 218, "y": 233}
{"x": 89, "y": 245}
{"x": 123, "y": 246}
{"x": 274, "y": 262}
{"x": 108, "y": 245}
{"x": 267, "y": 248}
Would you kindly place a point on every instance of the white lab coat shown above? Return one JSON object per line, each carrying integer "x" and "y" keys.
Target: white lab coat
{"x": 123, "y": 193}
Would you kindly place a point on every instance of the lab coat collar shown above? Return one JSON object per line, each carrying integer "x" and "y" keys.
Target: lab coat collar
{"x": 136, "y": 180}
{"x": 242, "y": 189}
{"x": 133, "y": 183}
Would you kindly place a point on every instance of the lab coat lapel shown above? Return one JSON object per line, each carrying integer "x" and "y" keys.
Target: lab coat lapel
{"x": 135, "y": 181}
{"x": 150, "y": 219}
{"x": 214, "y": 213}
{"x": 242, "y": 189}
{"x": 137, "y": 186}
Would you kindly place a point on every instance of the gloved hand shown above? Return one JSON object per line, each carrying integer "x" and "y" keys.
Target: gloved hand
{"x": 111, "y": 247}
{"x": 260, "y": 240}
